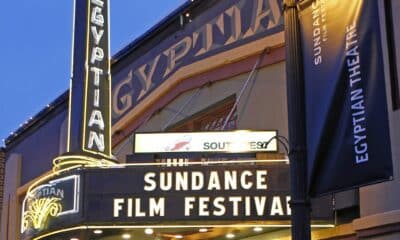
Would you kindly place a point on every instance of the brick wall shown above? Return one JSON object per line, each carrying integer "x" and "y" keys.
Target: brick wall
{"x": 2, "y": 173}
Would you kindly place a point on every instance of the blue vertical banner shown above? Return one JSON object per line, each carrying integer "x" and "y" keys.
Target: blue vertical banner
{"x": 348, "y": 141}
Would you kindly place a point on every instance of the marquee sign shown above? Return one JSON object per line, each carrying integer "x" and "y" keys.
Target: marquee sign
{"x": 54, "y": 199}
{"x": 148, "y": 194}
{"x": 226, "y": 141}
{"x": 90, "y": 100}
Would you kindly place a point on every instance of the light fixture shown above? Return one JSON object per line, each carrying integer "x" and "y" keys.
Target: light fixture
{"x": 74, "y": 239}
{"x": 178, "y": 236}
{"x": 148, "y": 231}
{"x": 230, "y": 235}
{"x": 203, "y": 230}
{"x": 97, "y": 231}
{"x": 257, "y": 229}
{"x": 126, "y": 236}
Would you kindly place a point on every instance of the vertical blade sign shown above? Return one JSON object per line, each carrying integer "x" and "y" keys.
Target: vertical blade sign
{"x": 90, "y": 119}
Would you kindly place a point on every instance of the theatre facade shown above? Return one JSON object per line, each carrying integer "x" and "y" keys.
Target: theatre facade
{"x": 199, "y": 145}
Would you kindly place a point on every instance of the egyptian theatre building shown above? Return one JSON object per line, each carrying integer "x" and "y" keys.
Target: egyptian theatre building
{"x": 183, "y": 134}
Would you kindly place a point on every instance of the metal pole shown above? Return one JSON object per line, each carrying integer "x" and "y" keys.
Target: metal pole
{"x": 299, "y": 203}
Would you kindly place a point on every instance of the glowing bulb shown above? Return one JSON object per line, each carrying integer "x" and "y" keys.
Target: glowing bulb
{"x": 126, "y": 236}
{"x": 98, "y": 231}
{"x": 203, "y": 230}
{"x": 230, "y": 235}
{"x": 178, "y": 236}
{"x": 257, "y": 229}
{"x": 148, "y": 231}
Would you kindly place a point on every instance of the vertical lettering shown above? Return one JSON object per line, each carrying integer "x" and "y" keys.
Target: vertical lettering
{"x": 96, "y": 100}
{"x": 97, "y": 18}
{"x": 96, "y": 138}
{"x": 97, "y": 55}
{"x": 97, "y": 73}
{"x": 96, "y": 118}
{"x": 97, "y": 35}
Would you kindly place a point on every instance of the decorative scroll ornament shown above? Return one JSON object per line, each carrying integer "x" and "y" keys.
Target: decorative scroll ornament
{"x": 76, "y": 161}
{"x": 39, "y": 212}
{"x": 48, "y": 201}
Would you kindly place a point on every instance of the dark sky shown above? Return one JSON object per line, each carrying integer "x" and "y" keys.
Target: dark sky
{"x": 36, "y": 40}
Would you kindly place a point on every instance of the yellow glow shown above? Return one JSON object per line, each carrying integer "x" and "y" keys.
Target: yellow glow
{"x": 62, "y": 162}
{"x": 69, "y": 107}
{"x": 46, "y": 177}
{"x": 230, "y": 235}
{"x": 86, "y": 76}
{"x": 59, "y": 231}
{"x": 108, "y": 154}
{"x": 126, "y": 236}
{"x": 176, "y": 226}
{"x": 109, "y": 80}
{"x": 148, "y": 231}
{"x": 39, "y": 211}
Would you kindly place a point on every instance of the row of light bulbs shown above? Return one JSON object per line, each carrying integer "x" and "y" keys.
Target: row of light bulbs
{"x": 150, "y": 231}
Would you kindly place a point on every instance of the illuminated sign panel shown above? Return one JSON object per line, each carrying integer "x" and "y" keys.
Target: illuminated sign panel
{"x": 96, "y": 137}
{"x": 56, "y": 198}
{"x": 223, "y": 192}
{"x": 232, "y": 141}
{"x": 90, "y": 100}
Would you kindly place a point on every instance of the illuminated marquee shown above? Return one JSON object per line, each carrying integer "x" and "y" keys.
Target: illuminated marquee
{"x": 89, "y": 125}
{"x": 220, "y": 192}
{"x": 56, "y": 198}
{"x": 97, "y": 100}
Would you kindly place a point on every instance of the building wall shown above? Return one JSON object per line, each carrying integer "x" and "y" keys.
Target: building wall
{"x": 10, "y": 216}
{"x": 2, "y": 173}
{"x": 26, "y": 159}
{"x": 261, "y": 107}
{"x": 40, "y": 146}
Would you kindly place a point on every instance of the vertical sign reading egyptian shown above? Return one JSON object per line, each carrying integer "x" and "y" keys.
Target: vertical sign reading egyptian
{"x": 96, "y": 137}
{"x": 90, "y": 119}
